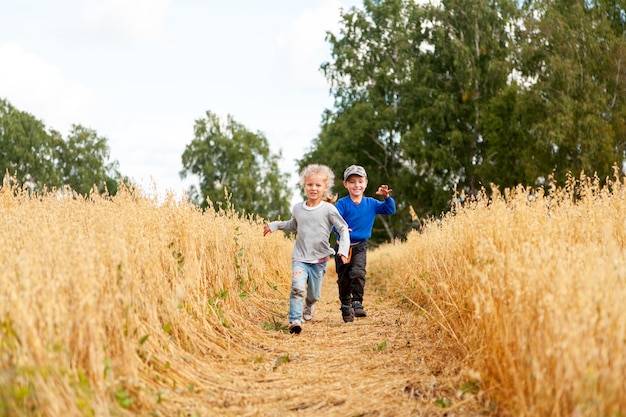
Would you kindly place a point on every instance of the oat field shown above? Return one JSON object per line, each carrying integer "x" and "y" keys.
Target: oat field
{"x": 510, "y": 305}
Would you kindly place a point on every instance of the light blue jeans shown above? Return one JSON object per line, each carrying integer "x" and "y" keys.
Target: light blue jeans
{"x": 303, "y": 273}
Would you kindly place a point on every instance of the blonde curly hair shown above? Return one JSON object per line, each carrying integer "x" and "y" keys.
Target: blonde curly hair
{"x": 324, "y": 172}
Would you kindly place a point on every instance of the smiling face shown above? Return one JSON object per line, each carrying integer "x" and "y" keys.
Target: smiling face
{"x": 315, "y": 186}
{"x": 356, "y": 185}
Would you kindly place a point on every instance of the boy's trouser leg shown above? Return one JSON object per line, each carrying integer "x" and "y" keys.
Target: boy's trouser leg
{"x": 344, "y": 283}
{"x": 357, "y": 271}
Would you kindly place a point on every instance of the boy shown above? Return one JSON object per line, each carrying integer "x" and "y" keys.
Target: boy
{"x": 359, "y": 212}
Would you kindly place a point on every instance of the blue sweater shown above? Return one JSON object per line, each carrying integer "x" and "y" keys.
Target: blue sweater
{"x": 360, "y": 218}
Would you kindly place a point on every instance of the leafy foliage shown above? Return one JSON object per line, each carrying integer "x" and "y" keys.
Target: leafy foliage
{"x": 27, "y": 149}
{"x": 453, "y": 96}
{"x": 83, "y": 159}
{"x": 575, "y": 53}
{"x": 37, "y": 157}
{"x": 235, "y": 166}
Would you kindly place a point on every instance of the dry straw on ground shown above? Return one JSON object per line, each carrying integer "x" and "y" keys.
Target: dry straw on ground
{"x": 113, "y": 306}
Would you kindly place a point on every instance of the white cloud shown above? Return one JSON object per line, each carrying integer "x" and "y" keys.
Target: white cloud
{"x": 157, "y": 158}
{"x": 138, "y": 20}
{"x": 112, "y": 66}
{"x": 37, "y": 87}
{"x": 305, "y": 42}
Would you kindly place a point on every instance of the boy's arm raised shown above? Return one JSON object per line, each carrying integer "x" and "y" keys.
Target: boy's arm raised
{"x": 384, "y": 190}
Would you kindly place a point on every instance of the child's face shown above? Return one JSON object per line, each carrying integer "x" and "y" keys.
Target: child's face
{"x": 356, "y": 185}
{"x": 315, "y": 186}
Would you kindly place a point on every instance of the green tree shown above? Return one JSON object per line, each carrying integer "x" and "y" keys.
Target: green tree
{"x": 573, "y": 54}
{"x": 348, "y": 137}
{"x": 462, "y": 66}
{"x": 28, "y": 152}
{"x": 38, "y": 158}
{"x": 459, "y": 94}
{"x": 412, "y": 83}
{"x": 367, "y": 74}
{"x": 512, "y": 156}
{"x": 83, "y": 160}
{"x": 228, "y": 158}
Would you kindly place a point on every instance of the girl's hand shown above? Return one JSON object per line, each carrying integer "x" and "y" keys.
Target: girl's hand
{"x": 384, "y": 190}
{"x": 266, "y": 230}
{"x": 344, "y": 259}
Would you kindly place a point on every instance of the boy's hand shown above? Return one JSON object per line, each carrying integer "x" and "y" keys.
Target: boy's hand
{"x": 344, "y": 259}
{"x": 266, "y": 230}
{"x": 384, "y": 190}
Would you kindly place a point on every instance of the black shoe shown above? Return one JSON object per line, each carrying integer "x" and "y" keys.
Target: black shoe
{"x": 359, "y": 311}
{"x": 347, "y": 312}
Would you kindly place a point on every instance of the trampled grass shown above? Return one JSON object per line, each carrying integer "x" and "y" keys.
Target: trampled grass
{"x": 126, "y": 305}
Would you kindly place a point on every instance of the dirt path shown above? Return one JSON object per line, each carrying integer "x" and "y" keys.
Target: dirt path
{"x": 374, "y": 366}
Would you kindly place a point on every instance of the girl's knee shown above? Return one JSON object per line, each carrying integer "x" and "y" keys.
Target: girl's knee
{"x": 297, "y": 292}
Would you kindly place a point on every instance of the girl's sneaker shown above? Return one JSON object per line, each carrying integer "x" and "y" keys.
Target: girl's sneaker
{"x": 295, "y": 327}
{"x": 308, "y": 311}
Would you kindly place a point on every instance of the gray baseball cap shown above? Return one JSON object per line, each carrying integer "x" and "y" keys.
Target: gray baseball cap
{"x": 354, "y": 170}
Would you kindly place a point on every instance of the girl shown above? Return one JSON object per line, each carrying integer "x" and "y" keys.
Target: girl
{"x": 313, "y": 221}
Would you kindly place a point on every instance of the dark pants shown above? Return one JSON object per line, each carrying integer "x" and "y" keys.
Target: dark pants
{"x": 351, "y": 276}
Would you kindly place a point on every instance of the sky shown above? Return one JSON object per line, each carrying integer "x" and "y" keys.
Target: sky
{"x": 141, "y": 72}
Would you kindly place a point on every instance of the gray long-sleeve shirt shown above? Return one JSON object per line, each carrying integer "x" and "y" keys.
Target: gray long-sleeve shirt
{"x": 313, "y": 226}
